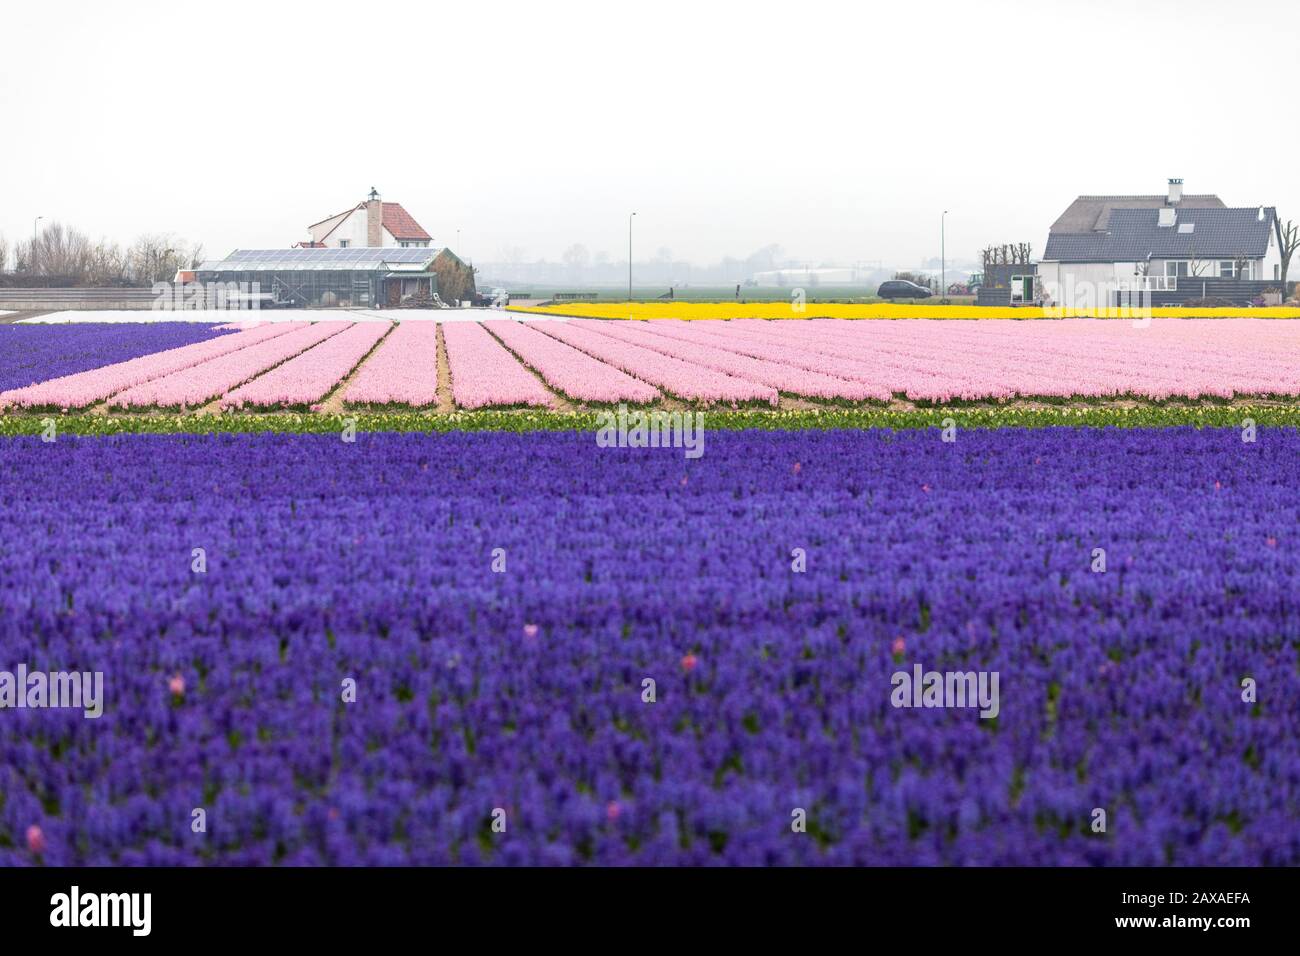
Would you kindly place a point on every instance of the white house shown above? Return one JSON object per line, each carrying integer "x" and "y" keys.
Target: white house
{"x": 372, "y": 223}
{"x": 1174, "y": 246}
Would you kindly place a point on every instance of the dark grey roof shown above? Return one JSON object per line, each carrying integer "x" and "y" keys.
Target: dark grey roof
{"x": 1134, "y": 235}
{"x": 1093, "y": 212}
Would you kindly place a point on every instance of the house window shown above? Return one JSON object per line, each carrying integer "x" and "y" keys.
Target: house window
{"x": 1176, "y": 267}
{"x": 1227, "y": 269}
{"x": 343, "y": 243}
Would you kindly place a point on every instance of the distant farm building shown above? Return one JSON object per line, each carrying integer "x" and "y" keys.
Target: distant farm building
{"x": 383, "y": 277}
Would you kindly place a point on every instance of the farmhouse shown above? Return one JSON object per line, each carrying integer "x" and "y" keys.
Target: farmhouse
{"x": 346, "y": 277}
{"x": 373, "y": 223}
{"x": 1105, "y": 250}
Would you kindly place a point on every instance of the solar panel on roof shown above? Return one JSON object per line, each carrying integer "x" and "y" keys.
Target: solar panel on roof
{"x": 361, "y": 258}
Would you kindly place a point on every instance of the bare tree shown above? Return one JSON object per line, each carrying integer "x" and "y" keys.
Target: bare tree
{"x": 1007, "y": 254}
{"x": 1288, "y": 240}
{"x": 1239, "y": 264}
{"x": 106, "y": 265}
{"x": 60, "y": 253}
{"x": 4, "y": 254}
{"x": 157, "y": 257}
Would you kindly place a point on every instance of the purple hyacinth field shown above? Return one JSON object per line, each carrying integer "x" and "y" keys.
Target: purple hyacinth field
{"x": 38, "y": 353}
{"x": 620, "y": 653}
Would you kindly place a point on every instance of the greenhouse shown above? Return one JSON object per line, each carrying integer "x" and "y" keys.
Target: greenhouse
{"x": 344, "y": 278}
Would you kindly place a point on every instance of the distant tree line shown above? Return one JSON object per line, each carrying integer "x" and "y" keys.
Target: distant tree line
{"x": 579, "y": 266}
{"x": 63, "y": 256}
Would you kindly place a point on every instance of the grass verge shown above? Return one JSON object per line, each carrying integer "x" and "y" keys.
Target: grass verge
{"x": 1142, "y": 416}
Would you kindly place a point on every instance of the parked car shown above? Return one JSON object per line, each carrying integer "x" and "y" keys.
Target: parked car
{"x": 498, "y": 298}
{"x": 902, "y": 289}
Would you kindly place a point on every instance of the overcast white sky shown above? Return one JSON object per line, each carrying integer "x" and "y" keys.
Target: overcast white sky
{"x": 838, "y": 130}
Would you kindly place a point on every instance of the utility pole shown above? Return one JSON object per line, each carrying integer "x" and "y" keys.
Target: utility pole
{"x": 629, "y": 257}
{"x": 943, "y": 255}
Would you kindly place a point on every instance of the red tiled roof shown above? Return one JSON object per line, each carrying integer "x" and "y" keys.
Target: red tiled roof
{"x": 399, "y": 222}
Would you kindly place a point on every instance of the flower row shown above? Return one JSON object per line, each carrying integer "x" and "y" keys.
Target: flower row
{"x": 484, "y": 373}
{"x": 402, "y": 371}
{"x": 82, "y": 389}
{"x": 308, "y": 377}
{"x": 569, "y": 370}
{"x": 685, "y": 379}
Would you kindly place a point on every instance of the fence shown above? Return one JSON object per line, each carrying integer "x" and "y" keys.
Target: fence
{"x": 58, "y": 300}
{"x": 1236, "y": 291}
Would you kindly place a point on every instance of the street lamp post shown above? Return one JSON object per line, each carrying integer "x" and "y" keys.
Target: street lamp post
{"x": 629, "y": 256}
{"x": 943, "y": 255}
{"x": 31, "y": 256}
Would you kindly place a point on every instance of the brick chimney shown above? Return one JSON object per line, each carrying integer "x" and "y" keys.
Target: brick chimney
{"x": 374, "y": 220}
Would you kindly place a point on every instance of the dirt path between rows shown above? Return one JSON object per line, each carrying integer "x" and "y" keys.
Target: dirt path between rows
{"x": 445, "y": 403}
{"x": 332, "y": 403}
